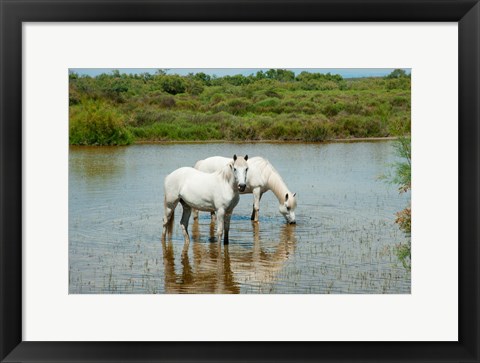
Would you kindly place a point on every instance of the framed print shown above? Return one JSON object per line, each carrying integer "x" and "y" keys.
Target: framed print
{"x": 244, "y": 181}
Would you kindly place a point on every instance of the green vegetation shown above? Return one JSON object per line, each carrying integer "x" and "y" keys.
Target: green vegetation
{"x": 98, "y": 123}
{"x": 118, "y": 109}
{"x": 403, "y": 178}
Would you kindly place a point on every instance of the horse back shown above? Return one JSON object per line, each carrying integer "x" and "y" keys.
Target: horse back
{"x": 198, "y": 189}
{"x": 212, "y": 164}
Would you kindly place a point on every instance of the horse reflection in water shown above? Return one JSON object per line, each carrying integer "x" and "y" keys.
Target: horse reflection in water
{"x": 214, "y": 270}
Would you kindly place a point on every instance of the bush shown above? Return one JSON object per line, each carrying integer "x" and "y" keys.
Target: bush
{"x": 238, "y": 106}
{"x": 266, "y": 106}
{"x": 404, "y": 254}
{"x": 317, "y": 131}
{"x": 173, "y": 84}
{"x": 333, "y": 109}
{"x": 270, "y": 105}
{"x": 97, "y": 123}
{"x": 272, "y": 93}
{"x": 162, "y": 100}
{"x": 402, "y": 177}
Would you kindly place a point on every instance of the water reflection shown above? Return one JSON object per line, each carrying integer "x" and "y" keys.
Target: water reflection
{"x": 222, "y": 269}
{"x": 96, "y": 163}
{"x": 344, "y": 241}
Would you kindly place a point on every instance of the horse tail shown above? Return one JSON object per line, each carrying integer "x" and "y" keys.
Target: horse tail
{"x": 169, "y": 223}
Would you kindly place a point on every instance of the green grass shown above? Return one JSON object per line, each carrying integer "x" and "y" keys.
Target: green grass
{"x": 118, "y": 109}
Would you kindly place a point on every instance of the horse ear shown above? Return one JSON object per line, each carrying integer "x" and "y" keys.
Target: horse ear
{"x": 286, "y": 197}
{"x": 246, "y": 157}
{"x": 235, "y": 157}
{"x": 231, "y": 166}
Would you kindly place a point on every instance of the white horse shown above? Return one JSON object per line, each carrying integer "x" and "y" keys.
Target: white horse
{"x": 261, "y": 177}
{"x": 212, "y": 192}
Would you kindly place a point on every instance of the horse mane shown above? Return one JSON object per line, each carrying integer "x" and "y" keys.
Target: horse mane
{"x": 226, "y": 172}
{"x": 274, "y": 180}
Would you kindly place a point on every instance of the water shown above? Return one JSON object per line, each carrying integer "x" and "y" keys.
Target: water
{"x": 343, "y": 242}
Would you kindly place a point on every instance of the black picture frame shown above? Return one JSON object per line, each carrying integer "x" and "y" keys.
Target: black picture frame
{"x": 14, "y": 12}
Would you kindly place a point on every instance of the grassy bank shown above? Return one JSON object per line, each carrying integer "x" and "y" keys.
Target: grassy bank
{"x": 116, "y": 109}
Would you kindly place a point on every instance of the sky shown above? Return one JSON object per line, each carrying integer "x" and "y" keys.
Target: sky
{"x": 220, "y": 72}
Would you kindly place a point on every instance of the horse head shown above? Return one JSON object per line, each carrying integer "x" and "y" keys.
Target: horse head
{"x": 240, "y": 169}
{"x": 287, "y": 208}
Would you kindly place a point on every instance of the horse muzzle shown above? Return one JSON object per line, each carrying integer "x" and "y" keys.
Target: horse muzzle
{"x": 242, "y": 187}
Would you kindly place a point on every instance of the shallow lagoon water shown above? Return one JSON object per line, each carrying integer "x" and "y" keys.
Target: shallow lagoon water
{"x": 343, "y": 242}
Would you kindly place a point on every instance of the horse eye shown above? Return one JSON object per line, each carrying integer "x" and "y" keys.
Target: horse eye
{"x": 234, "y": 169}
{"x": 288, "y": 208}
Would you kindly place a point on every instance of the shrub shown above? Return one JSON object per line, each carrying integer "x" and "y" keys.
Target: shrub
{"x": 238, "y": 106}
{"x": 307, "y": 107}
{"x": 404, "y": 220}
{"x": 404, "y": 254}
{"x": 193, "y": 87}
{"x": 97, "y": 123}
{"x": 148, "y": 116}
{"x": 400, "y": 101}
{"x": 333, "y": 109}
{"x": 162, "y": 100}
{"x": 397, "y": 73}
{"x": 173, "y": 84}
{"x": 267, "y": 105}
{"x": 402, "y": 177}
{"x": 188, "y": 104}
{"x": 217, "y": 98}
{"x": 273, "y": 93}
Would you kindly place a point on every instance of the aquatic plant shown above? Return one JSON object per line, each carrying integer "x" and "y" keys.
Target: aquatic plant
{"x": 402, "y": 177}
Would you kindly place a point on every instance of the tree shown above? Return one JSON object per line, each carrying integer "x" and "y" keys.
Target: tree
{"x": 173, "y": 84}
{"x": 204, "y": 78}
{"x": 281, "y": 75}
{"x": 397, "y": 73}
{"x": 161, "y": 71}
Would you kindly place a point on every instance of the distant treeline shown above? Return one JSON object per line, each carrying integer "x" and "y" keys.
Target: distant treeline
{"x": 118, "y": 108}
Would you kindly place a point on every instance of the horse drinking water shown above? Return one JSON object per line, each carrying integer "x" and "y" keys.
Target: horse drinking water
{"x": 261, "y": 177}
{"x": 212, "y": 192}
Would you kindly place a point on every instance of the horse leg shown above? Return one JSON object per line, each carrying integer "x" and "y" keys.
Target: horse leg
{"x": 213, "y": 217}
{"x": 220, "y": 218}
{"x": 226, "y": 222}
{"x": 169, "y": 214}
{"x": 212, "y": 232}
{"x": 187, "y": 210}
{"x": 257, "y": 195}
{"x": 195, "y": 214}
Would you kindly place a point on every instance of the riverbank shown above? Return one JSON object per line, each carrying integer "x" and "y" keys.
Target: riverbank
{"x": 293, "y": 142}
{"x": 350, "y": 140}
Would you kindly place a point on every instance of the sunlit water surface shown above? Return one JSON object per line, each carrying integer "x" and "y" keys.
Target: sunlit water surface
{"x": 344, "y": 240}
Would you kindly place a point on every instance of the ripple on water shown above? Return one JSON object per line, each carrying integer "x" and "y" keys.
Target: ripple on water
{"x": 344, "y": 240}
